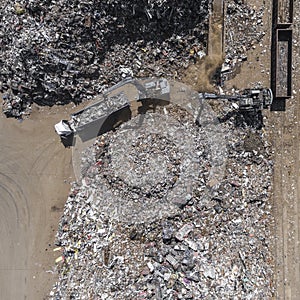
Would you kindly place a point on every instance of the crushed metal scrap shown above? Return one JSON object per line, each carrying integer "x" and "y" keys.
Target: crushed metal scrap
{"x": 55, "y": 52}
{"x": 120, "y": 239}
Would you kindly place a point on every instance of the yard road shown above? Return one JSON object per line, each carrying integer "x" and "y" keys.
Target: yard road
{"x": 35, "y": 171}
{"x": 286, "y": 135}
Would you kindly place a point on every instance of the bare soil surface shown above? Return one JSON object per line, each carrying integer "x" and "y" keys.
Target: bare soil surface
{"x": 199, "y": 75}
{"x": 35, "y": 172}
{"x": 286, "y": 182}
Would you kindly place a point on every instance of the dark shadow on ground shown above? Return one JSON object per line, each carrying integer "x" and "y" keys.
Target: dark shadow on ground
{"x": 279, "y": 104}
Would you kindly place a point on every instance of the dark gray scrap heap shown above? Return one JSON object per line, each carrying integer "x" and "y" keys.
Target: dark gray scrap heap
{"x": 56, "y": 52}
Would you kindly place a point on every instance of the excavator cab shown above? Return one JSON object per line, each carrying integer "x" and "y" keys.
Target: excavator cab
{"x": 256, "y": 99}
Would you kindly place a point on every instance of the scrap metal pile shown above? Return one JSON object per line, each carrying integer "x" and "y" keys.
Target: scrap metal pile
{"x": 131, "y": 230}
{"x": 243, "y": 30}
{"x": 55, "y": 52}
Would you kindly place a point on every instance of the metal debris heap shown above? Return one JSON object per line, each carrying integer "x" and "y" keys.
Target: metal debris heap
{"x": 55, "y": 52}
{"x": 243, "y": 30}
{"x": 212, "y": 243}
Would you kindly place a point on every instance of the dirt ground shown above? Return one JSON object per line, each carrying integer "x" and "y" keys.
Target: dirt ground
{"x": 287, "y": 181}
{"x": 35, "y": 172}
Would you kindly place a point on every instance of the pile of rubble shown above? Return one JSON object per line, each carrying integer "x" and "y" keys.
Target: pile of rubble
{"x": 125, "y": 233}
{"x": 55, "y": 52}
{"x": 243, "y": 30}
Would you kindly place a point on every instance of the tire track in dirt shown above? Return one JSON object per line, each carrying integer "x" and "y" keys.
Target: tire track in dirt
{"x": 286, "y": 208}
{"x": 46, "y": 155}
{"x": 287, "y": 183}
{"x": 34, "y": 166}
{"x": 16, "y": 196}
{"x": 14, "y": 224}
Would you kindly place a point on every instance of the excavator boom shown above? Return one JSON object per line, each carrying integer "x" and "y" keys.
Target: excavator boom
{"x": 253, "y": 100}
